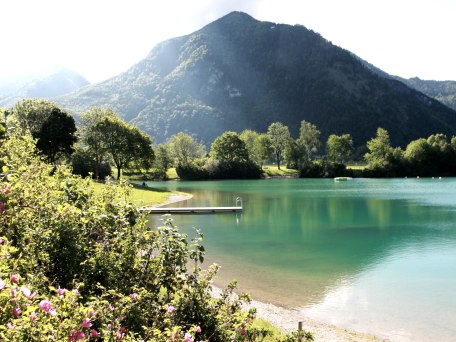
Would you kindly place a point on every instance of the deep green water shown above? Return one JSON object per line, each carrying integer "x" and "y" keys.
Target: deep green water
{"x": 372, "y": 255}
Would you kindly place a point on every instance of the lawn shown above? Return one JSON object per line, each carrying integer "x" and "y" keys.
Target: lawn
{"x": 273, "y": 171}
{"x": 141, "y": 195}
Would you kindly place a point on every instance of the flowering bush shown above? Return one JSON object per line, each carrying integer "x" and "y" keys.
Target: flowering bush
{"x": 76, "y": 266}
{"x": 79, "y": 266}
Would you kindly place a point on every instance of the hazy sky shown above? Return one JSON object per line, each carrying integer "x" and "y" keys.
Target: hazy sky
{"x": 101, "y": 38}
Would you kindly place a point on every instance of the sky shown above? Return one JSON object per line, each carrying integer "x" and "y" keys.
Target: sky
{"x": 102, "y": 38}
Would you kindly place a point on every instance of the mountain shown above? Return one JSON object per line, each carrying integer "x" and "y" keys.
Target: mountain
{"x": 238, "y": 73}
{"x": 443, "y": 91}
{"x": 55, "y": 83}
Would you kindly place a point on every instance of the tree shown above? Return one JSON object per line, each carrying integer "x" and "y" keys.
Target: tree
{"x": 229, "y": 147}
{"x": 92, "y": 139}
{"x": 125, "y": 143}
{"x": 309, "y": 139}
{"x": 339, "y": 148}
{"x": 163, "y": 159}
{"x": 32, "y": 113}
{"x": 382, "y": 157}
{"x": 185, "y": 149}
{"x": 280, "y": 137}
{"x": 249, "y": 137}
{"x": 263, "y": 148}
{"x": 57, "y": 135}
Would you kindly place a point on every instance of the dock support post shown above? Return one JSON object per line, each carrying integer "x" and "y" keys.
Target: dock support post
{"x": 299, "y": 331}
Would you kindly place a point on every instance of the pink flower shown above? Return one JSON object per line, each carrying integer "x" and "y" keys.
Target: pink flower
{"x": 1, "y": 240}
{"x": 198, "y": 329}
{"x": 2, "y": 206}
{"x": 53, "y": 312}
{"x": 45, "y": 305}
{"x": 243, "y": 331}
{"x": 109, "y": 326}
{"x": 11, "y": 326}
{"x": 14, "y": 278}
{"x": 16, "y": 312}
{"x": 110, "y": 307}
{"x": 133, "y": 295}
{"x": 27, "y": 293}
{"x": 86, "y": 323}
{"x": 92, "y": 314}
{"x": 94, "y": 333}
{"x": 170, "y": 309}
{"x": 60, "y": 291}
{"x": 78, "y": 335}
{"x": 2, "y": 284}
{"x": 188, "y": 337}
{"x": 13, "y": 291}
{"x": 33, "y": 317}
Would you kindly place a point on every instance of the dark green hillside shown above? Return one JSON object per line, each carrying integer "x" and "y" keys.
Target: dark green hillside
{"x": 238, "y": 73}
{"x": 443, "y": 91}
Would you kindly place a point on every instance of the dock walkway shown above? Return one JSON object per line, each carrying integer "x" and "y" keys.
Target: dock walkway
{"x": 191, "y": 210}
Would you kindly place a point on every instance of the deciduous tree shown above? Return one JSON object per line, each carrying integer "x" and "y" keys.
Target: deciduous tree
{"x": 339, "y": 148}
{"x": 280, "y": 137}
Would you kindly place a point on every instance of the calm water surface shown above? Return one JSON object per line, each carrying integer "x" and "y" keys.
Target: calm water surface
{"x": 373, "y": 255}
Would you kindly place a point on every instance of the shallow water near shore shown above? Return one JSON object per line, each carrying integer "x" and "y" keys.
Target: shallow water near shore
{"x": 373, "y": 255}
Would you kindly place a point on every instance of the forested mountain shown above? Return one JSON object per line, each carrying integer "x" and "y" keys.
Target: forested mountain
{"x": 443, "y": 91}
{"x": 238, "y": 73}
{"x": 51, "y": 84}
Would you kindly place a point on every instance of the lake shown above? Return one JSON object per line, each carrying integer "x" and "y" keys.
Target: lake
{"x": 372, "y": 255}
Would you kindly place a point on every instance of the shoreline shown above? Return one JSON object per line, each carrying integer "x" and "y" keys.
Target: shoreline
{"x": 287, "y": 319}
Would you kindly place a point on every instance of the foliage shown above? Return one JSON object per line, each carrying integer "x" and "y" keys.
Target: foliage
{"x": 75, "y": 265}
{"x": 249, "y": 138}
{"x": 280, "y": 138}
{"x": 57, "y": 135}
{"x": 263, "y": 150}
{"x": 92, "y": 139}
{"x": 229, "y": 147}
{"x": 309, "y": 139}
{"x": 163, "y": 160}
{"x": 185, "y": 149}
{"x": 339, "y": 148}
{"x": 84, "y": 164}
{"x": 382, "y": 159}
{"x": 125, "y": 143}
{"x": 32, "y": 113}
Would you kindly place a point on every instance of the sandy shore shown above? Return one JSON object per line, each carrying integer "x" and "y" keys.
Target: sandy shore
{"x": 173, "y": 198}
{"x": 287, "y": 319}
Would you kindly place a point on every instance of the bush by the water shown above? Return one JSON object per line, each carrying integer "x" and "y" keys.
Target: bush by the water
{"x": 80, "y": 266}
{"x": 218, "y": 169}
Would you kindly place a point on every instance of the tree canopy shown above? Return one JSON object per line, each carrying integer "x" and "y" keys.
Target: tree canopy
{"x": 339, "y": 148}
{"x": 280, "y": 137}
{"x": 229, "y": 147}
{"x": 57, "y": 135}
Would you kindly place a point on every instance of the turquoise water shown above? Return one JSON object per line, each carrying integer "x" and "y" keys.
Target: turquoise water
{"x": 372, "y": 255}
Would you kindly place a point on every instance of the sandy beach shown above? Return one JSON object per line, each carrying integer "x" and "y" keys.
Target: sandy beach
{"x": 287, "y": 319}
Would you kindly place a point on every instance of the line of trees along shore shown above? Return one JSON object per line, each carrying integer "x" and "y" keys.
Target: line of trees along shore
{"x": 102, "y": 140}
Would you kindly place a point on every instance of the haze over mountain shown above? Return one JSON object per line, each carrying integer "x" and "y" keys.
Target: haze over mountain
{"x": 47, "y": 85}
{"x": 238, "y": 73}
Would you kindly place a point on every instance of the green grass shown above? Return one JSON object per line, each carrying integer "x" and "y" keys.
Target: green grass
{"x": 356, "y": 167}
{"x": 273, "y": 171}
{"x": 276, "y": 334}
{"x": 141, "y": 195}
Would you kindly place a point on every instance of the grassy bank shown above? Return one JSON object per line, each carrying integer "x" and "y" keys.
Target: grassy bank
{"x": 141, "y": 195}
{"x": 273, "y": 171}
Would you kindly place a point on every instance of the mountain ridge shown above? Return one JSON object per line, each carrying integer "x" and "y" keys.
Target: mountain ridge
{"x": 238, "y": 72}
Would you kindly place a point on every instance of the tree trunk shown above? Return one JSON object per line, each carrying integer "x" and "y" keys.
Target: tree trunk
{"x": 118, "y": 172}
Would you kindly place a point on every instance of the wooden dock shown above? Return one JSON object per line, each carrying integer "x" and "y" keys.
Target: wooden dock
{"x": 191, "y": 210}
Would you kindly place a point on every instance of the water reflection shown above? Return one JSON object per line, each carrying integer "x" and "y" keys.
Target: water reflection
{"x": 300, "y": 242}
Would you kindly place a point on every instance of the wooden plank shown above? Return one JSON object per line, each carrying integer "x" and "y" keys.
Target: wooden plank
{"x": 190, "y": 210}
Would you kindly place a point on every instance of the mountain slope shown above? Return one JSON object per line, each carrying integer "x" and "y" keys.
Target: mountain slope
{"x": 52, "y": 84}
{"x": 443, "y": 91}
{"x": 238, "y": 73}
